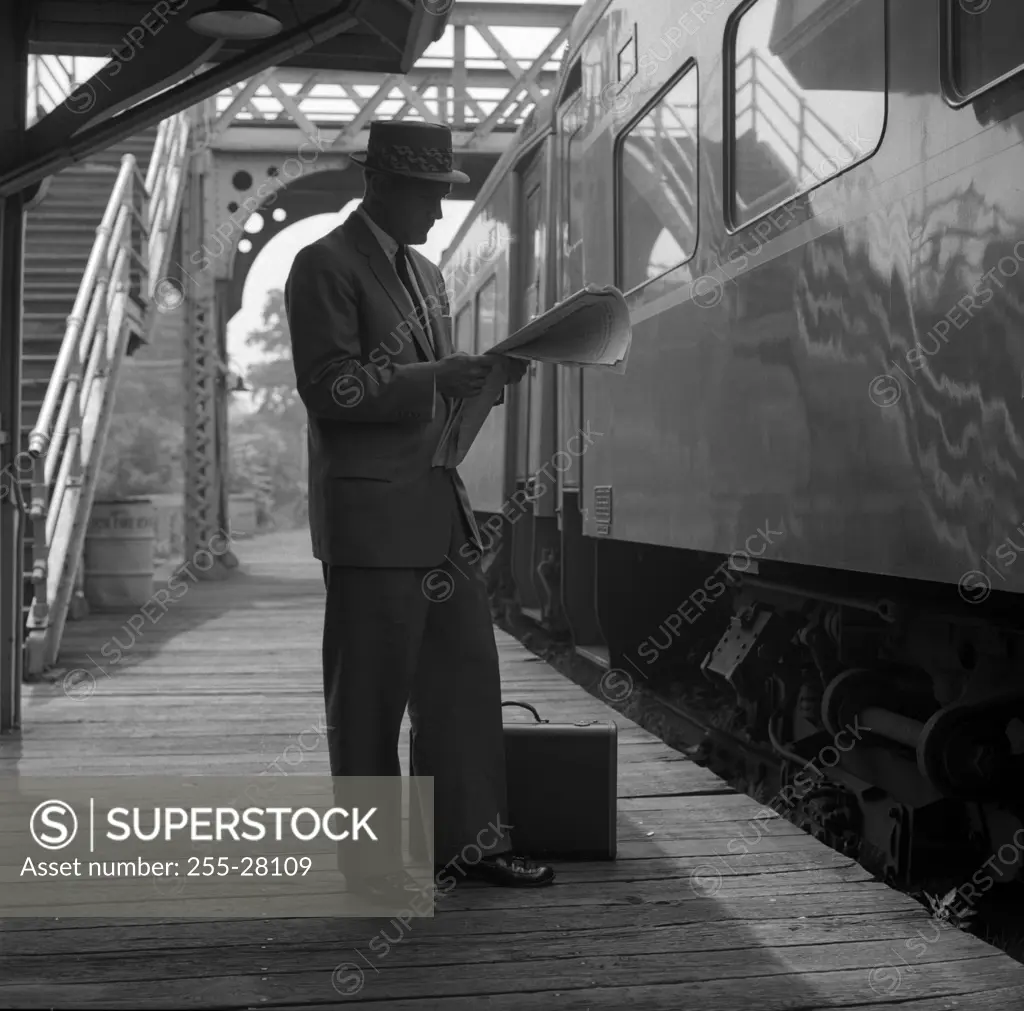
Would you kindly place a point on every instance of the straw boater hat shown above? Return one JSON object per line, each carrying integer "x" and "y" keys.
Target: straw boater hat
{"x": 414, "y": 150}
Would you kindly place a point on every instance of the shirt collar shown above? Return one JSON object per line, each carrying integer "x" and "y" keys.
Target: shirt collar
{"x": 387, "y": 243}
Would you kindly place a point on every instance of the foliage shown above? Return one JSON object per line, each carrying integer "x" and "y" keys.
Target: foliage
{"x": 145, "y": 444}
{"x": 273, "y": 380}
{"x": 142, "y": 457}
{"x": 950, "y": 908}
{"x": 145, "y": 448}
{"x": 268, "y": 445}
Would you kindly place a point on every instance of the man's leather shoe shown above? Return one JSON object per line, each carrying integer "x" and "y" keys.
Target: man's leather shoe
{"x": 510, "y": 871}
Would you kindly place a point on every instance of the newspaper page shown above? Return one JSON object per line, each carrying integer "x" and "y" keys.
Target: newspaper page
{"x": 590, "y": 329}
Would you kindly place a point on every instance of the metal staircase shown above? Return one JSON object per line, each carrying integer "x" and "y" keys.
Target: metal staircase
{"x": 797, "y": 145}
{"x": 59, "y": 237}
{"x": 96, "y": 244}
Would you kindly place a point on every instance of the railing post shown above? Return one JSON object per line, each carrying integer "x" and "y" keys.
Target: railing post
{"x": 74, "y": 429}
{"x": 753, "y": 93}
{"x": 801, "y": 135}
{"x": 133, "y": 240}
{"x": 39, "y": 609}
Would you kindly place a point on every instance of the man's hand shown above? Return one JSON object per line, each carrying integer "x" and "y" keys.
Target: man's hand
{"x": 463, "y": 376}
{"x": 517, "y": 368}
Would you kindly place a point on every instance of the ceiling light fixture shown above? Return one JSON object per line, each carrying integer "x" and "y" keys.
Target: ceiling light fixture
{"x": 234, "y": 19}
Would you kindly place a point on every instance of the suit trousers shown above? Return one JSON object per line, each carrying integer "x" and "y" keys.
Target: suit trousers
{"x": 424, "y": 638}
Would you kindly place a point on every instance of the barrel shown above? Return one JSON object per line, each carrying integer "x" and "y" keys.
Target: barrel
{"x": 119, "y": 554}
{"x": 242, "y": 515}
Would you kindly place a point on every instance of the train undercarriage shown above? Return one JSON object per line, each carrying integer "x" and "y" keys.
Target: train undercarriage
{"x": 895, "y": 711}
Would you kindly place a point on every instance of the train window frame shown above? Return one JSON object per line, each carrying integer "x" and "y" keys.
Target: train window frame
{"x": 690, "y": 66}
{"x": 951, "y": 92}
{"x": 733, "y": 225}
{"x": 491, "y": 281}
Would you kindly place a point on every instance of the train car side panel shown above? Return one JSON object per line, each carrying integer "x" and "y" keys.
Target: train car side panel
{"x": 839, "y": 359}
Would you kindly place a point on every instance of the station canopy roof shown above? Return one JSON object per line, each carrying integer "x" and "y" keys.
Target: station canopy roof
{"x": 382, "y": 36}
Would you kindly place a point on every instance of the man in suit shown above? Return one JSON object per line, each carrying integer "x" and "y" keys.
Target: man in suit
{"x": 404, "y": 623}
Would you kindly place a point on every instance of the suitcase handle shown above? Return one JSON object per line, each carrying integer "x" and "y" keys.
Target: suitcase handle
{"x": 526, "y": 705}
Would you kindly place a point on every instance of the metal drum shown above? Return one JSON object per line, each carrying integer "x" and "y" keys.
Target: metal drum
{"x": 243, "y": 515}
{"x": 119, "y": 554}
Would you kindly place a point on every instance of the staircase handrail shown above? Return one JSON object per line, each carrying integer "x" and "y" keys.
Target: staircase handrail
{"x": 79, "y": 388}
{"x": 39, "y": 439}
{"x": 42, "y": 97}
{"x": 806, "y": 112}
{"x": 165, "y": 185}
{"x": 160, "y": 210}
{"x": 86, "y": 345}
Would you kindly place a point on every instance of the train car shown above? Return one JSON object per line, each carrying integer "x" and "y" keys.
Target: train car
{"x": 806, "y": 489}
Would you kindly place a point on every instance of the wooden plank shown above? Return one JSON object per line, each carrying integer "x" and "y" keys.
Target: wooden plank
{"x": 865, "y": 943}
{"x": 601, "y": 889}
{"x": 674, "y": 998}
{"x": 32, "y": 945}
{"x": 646, "y": 781}
{"x": 639, "y": 753}
{"x": 100, "y": 934}
{"x": 833, "y": 975}
{"x": 966, "y": 992}
{"x": 1003, "y": 999}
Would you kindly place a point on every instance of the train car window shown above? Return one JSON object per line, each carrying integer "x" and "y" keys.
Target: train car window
{"x": 464, "y": 330}
{"x": 987, "y": 43}
{"x": 533, "y": 249}
{"x": 573, "y": 80}
{"x": 809, "y": 97}
{"x": 572, "y": 200}
{"x": 486, "y": 315}
{"x": 657, "y": 169}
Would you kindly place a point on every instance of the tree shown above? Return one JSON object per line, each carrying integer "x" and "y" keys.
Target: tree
{"x": 268, "y": 445}
{"x": 273, "y": 380}
{"x": 143, "y": 454}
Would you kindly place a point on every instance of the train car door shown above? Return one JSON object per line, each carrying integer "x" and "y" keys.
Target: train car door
{"x": 535, "y": 545}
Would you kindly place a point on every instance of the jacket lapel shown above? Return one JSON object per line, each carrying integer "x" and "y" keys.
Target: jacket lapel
{"x": 391, "y": 283}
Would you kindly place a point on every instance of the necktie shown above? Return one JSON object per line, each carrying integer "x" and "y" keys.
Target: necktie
{"x": 405, "y": 276}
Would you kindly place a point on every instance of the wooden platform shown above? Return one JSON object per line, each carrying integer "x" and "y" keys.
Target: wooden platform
{"x": 227, "y": 682}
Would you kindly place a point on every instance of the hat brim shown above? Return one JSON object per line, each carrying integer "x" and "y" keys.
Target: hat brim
{"x": 359, "y": 157}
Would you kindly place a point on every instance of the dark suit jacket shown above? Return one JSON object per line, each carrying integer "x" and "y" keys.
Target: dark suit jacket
{"x": 364, "y": 369}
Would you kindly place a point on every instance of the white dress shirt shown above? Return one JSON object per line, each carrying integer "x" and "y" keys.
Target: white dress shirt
{"x": 390, "y": 247}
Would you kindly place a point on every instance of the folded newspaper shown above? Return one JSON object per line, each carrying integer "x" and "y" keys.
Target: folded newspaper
{"x": 589, "y": 329}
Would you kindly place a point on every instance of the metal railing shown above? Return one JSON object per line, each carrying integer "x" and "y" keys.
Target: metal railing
{"x": 51, "y": 79}
{"x": 813, "y": 133}
{"x": 115, "y": 299}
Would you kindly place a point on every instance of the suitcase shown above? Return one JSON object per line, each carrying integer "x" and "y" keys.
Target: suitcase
{"x": 562, "y": 786}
